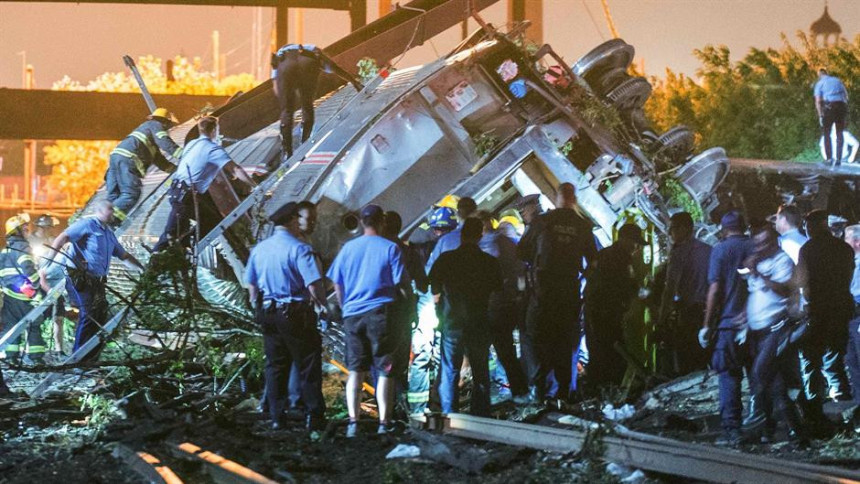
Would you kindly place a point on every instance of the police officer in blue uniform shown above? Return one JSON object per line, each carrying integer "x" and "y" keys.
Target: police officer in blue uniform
{"x": 831, "y": 103}
{"x": 93, "y": 244}
{"x": 285, "y": 280}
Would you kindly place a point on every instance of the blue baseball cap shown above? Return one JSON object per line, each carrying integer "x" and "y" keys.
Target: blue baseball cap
{"x": 372, "y": 212}
{"x": 733, "y": 220}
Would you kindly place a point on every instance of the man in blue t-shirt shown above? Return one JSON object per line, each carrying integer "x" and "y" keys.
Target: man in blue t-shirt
{"x": 93, "y": 244}
{"x": 367, "y": 273}
{"x": 202, "y": 160}
{"x": 284, "y": 279}
{"x": 831, "y": 103}
{"x": 724, "y": 312}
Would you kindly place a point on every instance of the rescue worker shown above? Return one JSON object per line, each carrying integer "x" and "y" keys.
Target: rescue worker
{"x": 831, "y": 104}
{"x": 367, "y": 273}
{"x": 609, "y": 293}
{"x": 19, "y": 276}
{"x": 824, "y": 272}
{"x": 682, "y": 306}
{"x": 201, "y": 162}
{"x": 425, "y": 349}
{"x": 503, "y": 305}
{"x": 407, "y": 305}
{"x": 770, "y": 289}
{"x": 724, "y": 316}
{"x": 43, "y": 236}
{"x": 93, "y": 244}
{"x": 462, "y": 281}
{"x": 295, "y": 73}
{"x": 466, "y": 207}
{"x": 555, "y": 245}
{"x": 852, "y": 354}
{"x": 133, "y": 156}
{"x": 284, "y": 279}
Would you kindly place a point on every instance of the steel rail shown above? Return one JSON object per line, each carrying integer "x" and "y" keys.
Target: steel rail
{"x": 146, "y": 465}
{"x": 645, "y": 452}
{"x": 222, "y": 471}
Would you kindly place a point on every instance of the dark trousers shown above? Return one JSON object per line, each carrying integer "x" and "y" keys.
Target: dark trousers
{"x": 729, "y": 361}
{"x": 852, "y": 355}
{"x": 503, "y": 319}
{"x": 475, "y": 344}
{"x": 13, "y": 311}
{"x": 297, "y": 84}
{"x": 552, "y": 333}
{"x": 182, "y": 211}
{"x": 290, "y": 335}
{"x": 603, "y": 329}
{"x": 767, "y": 382}
{"x": 821, "y": 362}
{"x": 834, "y": 114}
{"x": 123, "y": 183}
{"x": 88, "y": 295}
{"x": 688, "y": 355}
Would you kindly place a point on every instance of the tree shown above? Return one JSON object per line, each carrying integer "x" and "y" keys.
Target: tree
{"x": 79, "y": 166}
{"x": 760, "y": 106}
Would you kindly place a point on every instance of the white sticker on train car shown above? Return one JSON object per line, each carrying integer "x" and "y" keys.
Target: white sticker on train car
{"x": 461, "y": 96}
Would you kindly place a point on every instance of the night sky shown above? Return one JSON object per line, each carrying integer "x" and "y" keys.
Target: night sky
{"x": 84, "y": 40}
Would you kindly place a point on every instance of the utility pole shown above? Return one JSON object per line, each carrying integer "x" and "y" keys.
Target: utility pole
{"x": 29, "y": 148}
{"x": 216, "y": 54}
{"x": 299, "y": 18}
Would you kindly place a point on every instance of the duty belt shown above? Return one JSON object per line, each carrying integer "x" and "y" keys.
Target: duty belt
{"x": 272, "y": 305}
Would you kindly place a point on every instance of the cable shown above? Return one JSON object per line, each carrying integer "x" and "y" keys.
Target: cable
{"x": 414, "y": 32}
{"x": 593, "y": 21}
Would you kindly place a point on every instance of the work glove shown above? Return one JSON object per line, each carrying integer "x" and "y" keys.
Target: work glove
{"x": 705, "y": 335}
{"x": 741, "y": 336}
{"x": 821, "y": 121}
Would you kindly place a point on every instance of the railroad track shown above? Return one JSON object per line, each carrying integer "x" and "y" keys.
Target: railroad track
{"x": 644, "y": 451}
{"x": 622, "y": 446}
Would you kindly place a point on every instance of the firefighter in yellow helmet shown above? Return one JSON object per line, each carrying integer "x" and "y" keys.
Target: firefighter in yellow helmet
{"x": 133, "y": 156}
{"x": 20, "y": 282}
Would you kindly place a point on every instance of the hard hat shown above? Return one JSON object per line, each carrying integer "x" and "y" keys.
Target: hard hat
{"x": 510, "y": 219}
{"x": 163, "y": 114}
{"x": 46, "y": 220}
{"x": 17, "y": 221}
{"x": 449, "y": 201}
{"x": 443, "y": 217}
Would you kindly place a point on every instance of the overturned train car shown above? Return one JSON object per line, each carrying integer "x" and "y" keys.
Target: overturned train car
{"x": 482, "y": 122}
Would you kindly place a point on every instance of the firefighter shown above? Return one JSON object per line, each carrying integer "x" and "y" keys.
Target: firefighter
{"x": 295, "y": 72}
{"x": 133, "y": 156}
{"x": 20, "y": 289}
{"x": 425, "y": 352}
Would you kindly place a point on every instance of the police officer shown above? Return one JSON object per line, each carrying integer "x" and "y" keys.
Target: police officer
{"x": 724, "y": 312}
{"x": 284, "y": 279}
{"x": 611, "y": 289}
{"x": 201, "y": 162}
{"x": 295, "y": 71}
{"x": 831, "y": 103}
{"x": 93, "y": 244}
{"x": 20, "y": 289}
{"x": 555, "y": 245}
{"x": 130, "y": 160}
{"x": 425, "y": 351}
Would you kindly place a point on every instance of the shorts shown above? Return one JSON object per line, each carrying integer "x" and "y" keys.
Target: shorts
{"x": 372, "y": 338}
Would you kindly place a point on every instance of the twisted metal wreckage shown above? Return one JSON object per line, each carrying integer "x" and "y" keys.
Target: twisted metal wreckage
{"x": 408, "y": 139}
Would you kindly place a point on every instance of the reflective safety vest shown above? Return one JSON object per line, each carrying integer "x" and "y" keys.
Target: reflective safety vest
{"x": 19, "y": 276}
{"x": 142, "y": 145}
